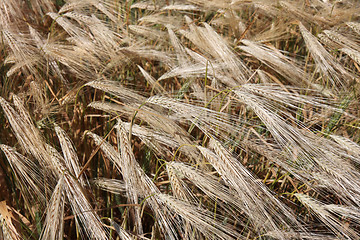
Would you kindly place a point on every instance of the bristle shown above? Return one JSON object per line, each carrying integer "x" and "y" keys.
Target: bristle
{"x": 328, "y": 65}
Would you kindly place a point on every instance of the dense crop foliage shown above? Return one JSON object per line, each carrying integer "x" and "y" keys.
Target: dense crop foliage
{"x": 189, "y": 119}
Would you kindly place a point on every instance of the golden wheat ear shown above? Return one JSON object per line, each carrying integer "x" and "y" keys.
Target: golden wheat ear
{"x": 88, "y": 221}
{"x": 108, "y": 150}
{"x": 266, "y": 215}
{"x": 31, "y": 180}
{"x": 211, "y": 43}
{"x": 311, "y": 155}
{"x": 200, "y": 219}
{"x": 25, "y": 57}
{"x": 111, "y": 185}
{"x": 326, "y": 63}
{"x": 224, "y": 196}
{"x": 182, "y": 192}
{"x": 269, "y": 215}
{"x": 49, "y": 159}
{"x": 353, "y": 54}
{"x": 137, "y": 184}
{"x": 125, "y": 94}
{"x": 27, "y": 134}
{"x": 285, "y": 66}
{"x": 54, "y": 222}
{"x": 152, "y": 81}
{"x": 350, "y": 146}
{"x": 142, "y": 183}
{"x": 69, "y": 152}
{"x": 329, "y": 215}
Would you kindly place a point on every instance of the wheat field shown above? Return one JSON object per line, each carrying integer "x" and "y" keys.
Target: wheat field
{"x": 188, "y": 119}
